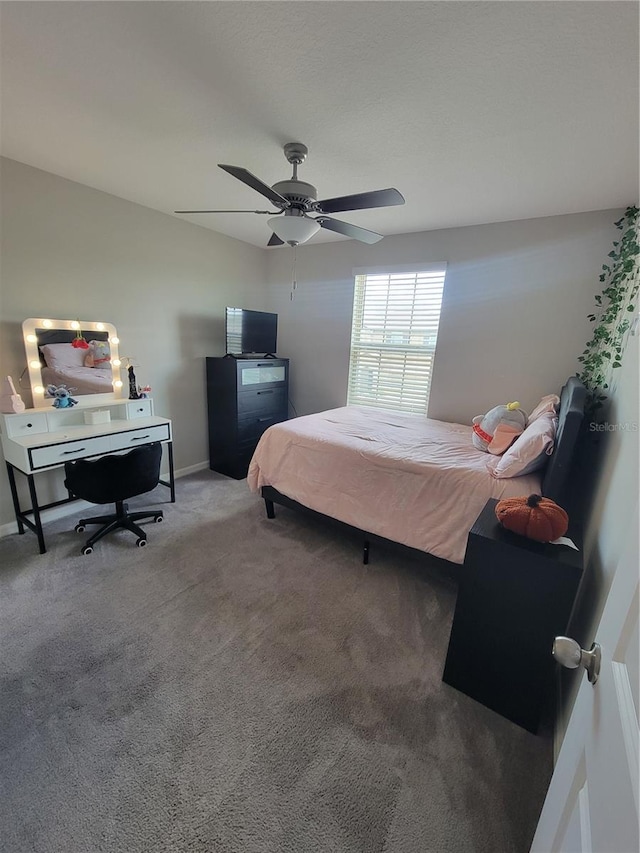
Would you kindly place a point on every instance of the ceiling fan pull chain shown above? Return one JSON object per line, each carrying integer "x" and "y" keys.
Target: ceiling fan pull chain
{"x": 294, "y": 283}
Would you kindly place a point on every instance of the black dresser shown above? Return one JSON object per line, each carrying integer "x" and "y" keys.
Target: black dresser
{"x": 244, "y": 397}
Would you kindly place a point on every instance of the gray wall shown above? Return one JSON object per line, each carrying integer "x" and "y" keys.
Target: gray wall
{"x": 514, "y": 313}
{"x": 70, "y": 251}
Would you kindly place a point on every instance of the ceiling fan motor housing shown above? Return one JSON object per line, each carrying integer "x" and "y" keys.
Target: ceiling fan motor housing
{"x": 299, "y": 193}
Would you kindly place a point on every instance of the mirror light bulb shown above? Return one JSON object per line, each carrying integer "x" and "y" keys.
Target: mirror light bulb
{"x": 38, "y": 389}
{"x": 46, "y": 324}
{"x": 31, "y": 339}
{"x": 116, "y": 362}
{"x": 34, "y": 365}
{"x": 118, "y": 383}
{"x": 115, "y": 340}
{"x": 75, "y": 324}
{"x": 99, "y": 326}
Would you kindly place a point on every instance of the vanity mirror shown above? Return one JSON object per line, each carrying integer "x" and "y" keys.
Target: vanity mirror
{"x": 81, "y": 354}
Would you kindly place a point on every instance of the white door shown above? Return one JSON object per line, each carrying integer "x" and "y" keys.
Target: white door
{"x": 592, "y": 802}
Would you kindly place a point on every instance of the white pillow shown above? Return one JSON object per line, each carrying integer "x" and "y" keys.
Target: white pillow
{"x": 63, "y": 355}
{"x": 529, "y": 452}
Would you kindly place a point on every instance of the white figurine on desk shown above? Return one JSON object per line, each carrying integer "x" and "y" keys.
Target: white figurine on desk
{"x": 10, "y": 402}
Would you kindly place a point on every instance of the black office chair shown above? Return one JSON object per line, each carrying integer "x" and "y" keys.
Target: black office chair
{"x": 113, "y": 479}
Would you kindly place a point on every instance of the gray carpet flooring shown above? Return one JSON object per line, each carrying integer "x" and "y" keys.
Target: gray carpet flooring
{"x": 244, "y": 685}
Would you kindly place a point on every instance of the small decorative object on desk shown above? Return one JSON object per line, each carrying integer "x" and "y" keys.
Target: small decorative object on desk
{"x": 62, "y": 397}
{"x": 145, "y": 392}
{"x": 10, "y": 401}
{"x": 133, "y": 388}
{"x": 99, "y": 416}
{"x": 534, "y": 517}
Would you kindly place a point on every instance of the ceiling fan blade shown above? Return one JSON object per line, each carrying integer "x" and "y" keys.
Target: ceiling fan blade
{"x": 360, "y": 201}
{"x": 256, "y": 184}
{"x": 353, "y": 231}
{"x": 275, "y": 241}
{"x": 272, "y": 212}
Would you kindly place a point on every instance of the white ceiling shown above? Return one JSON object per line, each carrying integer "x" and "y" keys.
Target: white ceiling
{"x": 476, "y": 111}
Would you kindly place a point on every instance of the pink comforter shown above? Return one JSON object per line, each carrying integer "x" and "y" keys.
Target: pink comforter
{"x": 410, "y": 479}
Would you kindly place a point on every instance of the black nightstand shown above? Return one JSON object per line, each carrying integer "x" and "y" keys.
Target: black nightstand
{"x": 515, "y": 596}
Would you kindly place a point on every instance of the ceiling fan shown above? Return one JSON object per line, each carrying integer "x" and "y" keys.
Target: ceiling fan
{"x": 296, "y": 200}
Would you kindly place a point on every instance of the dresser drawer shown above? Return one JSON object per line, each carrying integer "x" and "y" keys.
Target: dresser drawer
{"x": 18, "y": 426}
{"x": 249, "y": 431}
{"x": 270, "y": 374}
{"x": 260, "y": 402}
{"x": 135, "y": 437}
{"x": 56, "y": 454}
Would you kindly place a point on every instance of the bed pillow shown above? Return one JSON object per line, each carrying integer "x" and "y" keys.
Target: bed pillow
{"x": 548, "y": 405}
{"x": 60, "y": 356}
{"x": 529, "y": 452}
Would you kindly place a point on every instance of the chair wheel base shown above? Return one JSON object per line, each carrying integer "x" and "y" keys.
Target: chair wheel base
{"x": 87, "y": 550}
{"x": 141, "y": 543}
{"x": 79, "y": 528}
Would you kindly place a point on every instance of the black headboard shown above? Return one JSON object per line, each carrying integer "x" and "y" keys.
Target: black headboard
{"x": 555, "y": 483}
{"x": 64, "y": 336}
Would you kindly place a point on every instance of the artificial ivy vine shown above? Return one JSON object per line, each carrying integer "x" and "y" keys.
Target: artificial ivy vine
{"x": 616, "y": 306}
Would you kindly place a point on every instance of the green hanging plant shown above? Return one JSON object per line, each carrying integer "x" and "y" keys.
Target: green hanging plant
{"x": 616, "y": 306}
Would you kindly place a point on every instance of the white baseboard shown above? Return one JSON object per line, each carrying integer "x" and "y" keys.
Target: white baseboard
{"x": 182, "y": 472}
{"x": 72, "y": 508}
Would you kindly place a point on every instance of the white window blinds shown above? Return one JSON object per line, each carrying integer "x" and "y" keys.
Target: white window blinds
{"x": 393, "y": 338}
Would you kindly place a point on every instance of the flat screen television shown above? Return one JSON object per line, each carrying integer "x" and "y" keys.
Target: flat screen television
{"x": 251, "y": 332}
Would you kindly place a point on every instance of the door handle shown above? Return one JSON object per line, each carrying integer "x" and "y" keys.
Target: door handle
{"x": 569, "y": 654}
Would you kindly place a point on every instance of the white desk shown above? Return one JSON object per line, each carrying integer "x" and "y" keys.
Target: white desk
{"x": 43, "y": 439}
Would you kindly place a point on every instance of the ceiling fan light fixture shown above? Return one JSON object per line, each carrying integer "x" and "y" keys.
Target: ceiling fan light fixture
{"x": 293, "y": 229}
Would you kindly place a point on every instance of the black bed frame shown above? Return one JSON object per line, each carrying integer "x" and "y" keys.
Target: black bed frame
{"x": 556, "y": 482}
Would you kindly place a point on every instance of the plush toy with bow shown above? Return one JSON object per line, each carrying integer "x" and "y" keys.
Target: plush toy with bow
{"x": 62, "y": 397}
{"x": 496, "y": 431}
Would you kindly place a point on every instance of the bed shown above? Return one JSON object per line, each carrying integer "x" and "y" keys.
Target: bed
{"x": 79, "y": 380}
{"x": 401, "y": 477}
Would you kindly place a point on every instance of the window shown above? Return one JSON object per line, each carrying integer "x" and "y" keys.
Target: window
{"x": 393, "y": 338}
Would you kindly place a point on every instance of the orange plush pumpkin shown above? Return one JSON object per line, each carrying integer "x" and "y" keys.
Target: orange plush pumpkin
{"x": 534, "y": 517}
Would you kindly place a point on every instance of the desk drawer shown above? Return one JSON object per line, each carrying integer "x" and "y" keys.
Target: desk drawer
{"x": 139, "y": 409}
{"x": 56, "y": 454}
{"x": 135, "y": 437}
{"x": 20, "y": 425}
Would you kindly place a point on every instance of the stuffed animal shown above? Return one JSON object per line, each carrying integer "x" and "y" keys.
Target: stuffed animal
{"x": 499, "y": 428}
{"x": 99, "y": 355}
{"x": 62, "y": 397}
